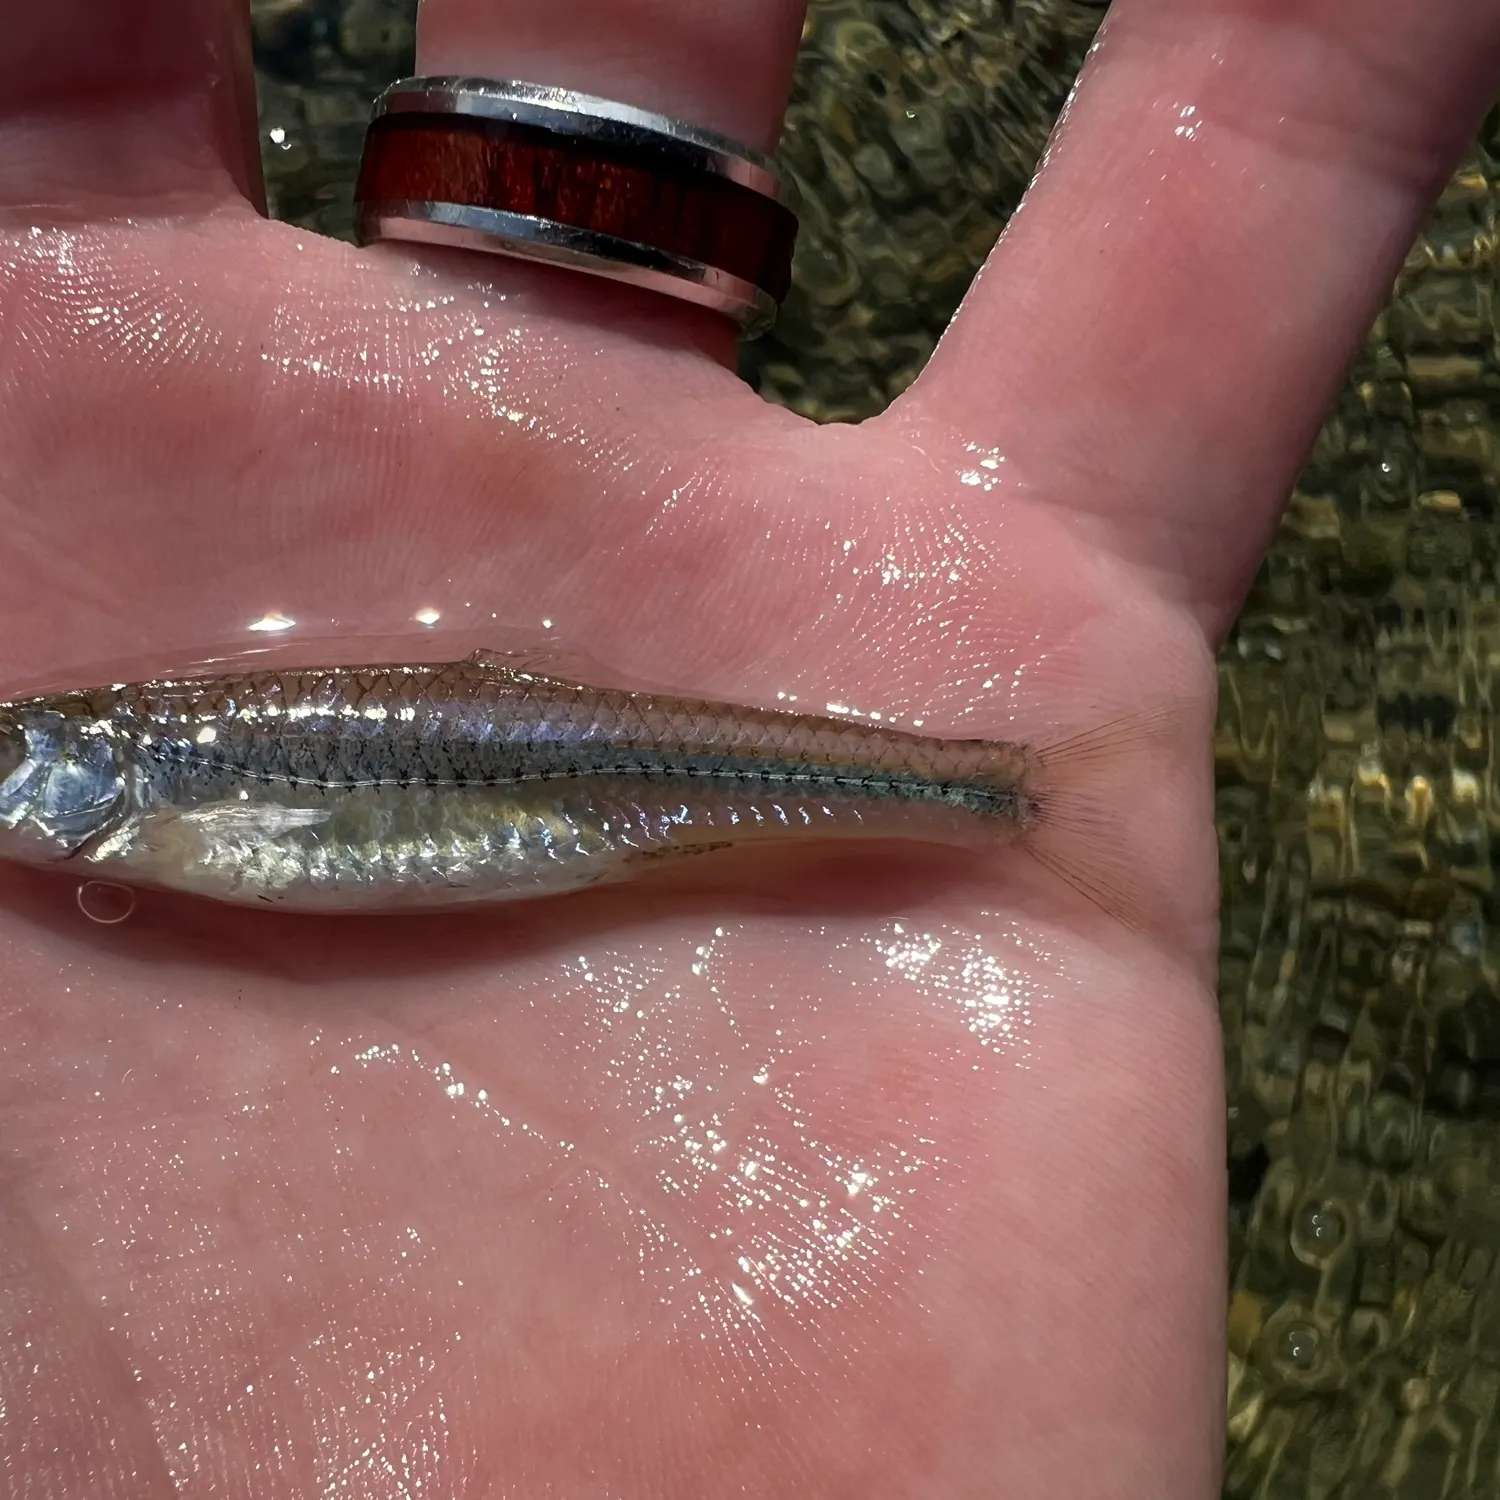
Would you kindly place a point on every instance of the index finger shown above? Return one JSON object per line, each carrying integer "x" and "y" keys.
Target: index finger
{"x": 1158, "y": 334}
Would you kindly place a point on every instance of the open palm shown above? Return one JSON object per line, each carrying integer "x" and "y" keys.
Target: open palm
{"x": 896, "y": 1176}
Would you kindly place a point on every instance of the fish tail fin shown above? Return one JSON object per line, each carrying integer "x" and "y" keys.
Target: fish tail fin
{"x": 1097, "y": 799}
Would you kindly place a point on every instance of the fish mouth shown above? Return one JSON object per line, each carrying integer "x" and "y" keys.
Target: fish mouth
{"x": 12, "y": 748}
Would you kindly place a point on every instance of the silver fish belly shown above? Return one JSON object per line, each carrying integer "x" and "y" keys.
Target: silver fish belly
{"x": 370, "y": 789}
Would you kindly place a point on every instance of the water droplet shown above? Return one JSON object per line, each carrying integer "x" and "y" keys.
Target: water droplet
{"x": 105, "y": 903}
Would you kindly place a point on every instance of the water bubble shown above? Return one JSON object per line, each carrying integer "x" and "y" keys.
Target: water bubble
{"x": 105, "y": 903}
{"x": 1318, "y": 1229}
{"x": 1300, "y": 1345}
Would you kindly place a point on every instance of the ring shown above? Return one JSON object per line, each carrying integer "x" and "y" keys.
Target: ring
{"x": 553, "y": 175}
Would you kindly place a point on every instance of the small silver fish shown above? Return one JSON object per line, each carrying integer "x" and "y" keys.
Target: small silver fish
{"x": 391, "y": 788}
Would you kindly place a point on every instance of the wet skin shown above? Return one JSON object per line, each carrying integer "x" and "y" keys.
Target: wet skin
{"x": 896, "y": 1175}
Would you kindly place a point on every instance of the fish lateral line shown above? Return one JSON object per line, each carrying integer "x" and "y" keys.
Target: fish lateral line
{"x": 909, "y": 787}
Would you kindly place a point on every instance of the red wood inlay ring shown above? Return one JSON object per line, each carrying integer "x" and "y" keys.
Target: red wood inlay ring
{"x": 603, "y": 195}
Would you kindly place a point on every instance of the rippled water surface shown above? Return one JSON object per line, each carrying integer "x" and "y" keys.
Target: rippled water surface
{"x": 1359, "y": 778}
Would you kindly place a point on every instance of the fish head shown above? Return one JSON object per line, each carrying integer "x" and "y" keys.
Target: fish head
{"x": 61, "y": 782}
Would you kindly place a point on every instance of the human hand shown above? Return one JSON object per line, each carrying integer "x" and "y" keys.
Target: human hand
{"x": 893, "y": 1178}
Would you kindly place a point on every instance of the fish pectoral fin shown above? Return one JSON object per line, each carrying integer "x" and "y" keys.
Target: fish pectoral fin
{"x": 173, "y": 832}
{"x": 252, "y": 823}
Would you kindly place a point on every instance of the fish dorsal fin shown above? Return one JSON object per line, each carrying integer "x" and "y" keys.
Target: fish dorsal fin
{"x": 556, "y": 664}
{"x": 537, "y": 661}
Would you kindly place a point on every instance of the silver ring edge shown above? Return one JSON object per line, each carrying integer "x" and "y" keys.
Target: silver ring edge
{"x": 523, "y": 237}
{"x": 585, "y": 116}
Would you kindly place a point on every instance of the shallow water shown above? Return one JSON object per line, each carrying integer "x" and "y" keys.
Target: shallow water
{"x": 1360, "y": 947}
